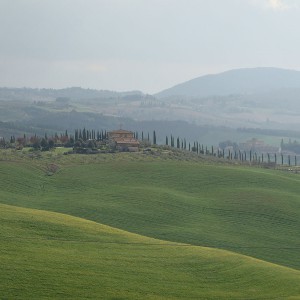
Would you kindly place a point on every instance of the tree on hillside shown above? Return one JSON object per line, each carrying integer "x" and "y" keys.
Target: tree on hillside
{"x": 84, "y": 134}
{"x": 154, "y": 137}
{"x": 51, "y": 144}
{"x": 44, "y": 144}
{"x": 2, "y": 143}
{"x": 36, "y": 145}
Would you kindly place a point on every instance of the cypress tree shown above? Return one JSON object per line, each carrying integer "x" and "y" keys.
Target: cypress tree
{"x": 84, "y": 134}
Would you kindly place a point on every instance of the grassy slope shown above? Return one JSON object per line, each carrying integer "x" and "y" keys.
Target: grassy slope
{"x": 50, "y": 255}
{"x": 246, "y": 210}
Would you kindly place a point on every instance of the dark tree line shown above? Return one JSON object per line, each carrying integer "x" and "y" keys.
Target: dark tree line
{"x": 232, "y": 153}
{"x": 86, "y": 134}
{"x": 290, "y": 146}
{"x": 93, "y": 139}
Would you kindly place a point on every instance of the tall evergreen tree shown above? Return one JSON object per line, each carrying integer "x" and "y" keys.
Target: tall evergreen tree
{"x": 154, "y": 137}
{"x": 84, "y": 134}
{"x": 76, "y": 135}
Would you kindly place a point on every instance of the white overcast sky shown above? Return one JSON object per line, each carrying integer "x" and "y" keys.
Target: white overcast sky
{"x": 146, "y": 45}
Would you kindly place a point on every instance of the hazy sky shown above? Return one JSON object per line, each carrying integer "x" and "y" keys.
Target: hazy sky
{"x": 146, "y": 45}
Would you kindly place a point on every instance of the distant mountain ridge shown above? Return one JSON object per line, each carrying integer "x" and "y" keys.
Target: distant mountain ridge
{"x": 72, "y": 93}
{"x": 239, "y": 81}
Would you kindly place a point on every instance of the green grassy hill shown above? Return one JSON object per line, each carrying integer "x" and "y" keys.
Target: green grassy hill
{"x": 49, "y": 255}
{"x": 201, "y": 205}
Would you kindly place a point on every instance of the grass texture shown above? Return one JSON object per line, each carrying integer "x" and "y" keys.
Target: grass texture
{"x": 197, "y": 230}
{"x": 49, "y": 255}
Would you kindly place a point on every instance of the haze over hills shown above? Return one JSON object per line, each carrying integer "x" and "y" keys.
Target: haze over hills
{"x": 259, "y": 98}
{"x": 240, "y": 81}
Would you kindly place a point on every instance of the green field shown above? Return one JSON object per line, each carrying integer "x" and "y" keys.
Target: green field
{"x": 134, "y": 226}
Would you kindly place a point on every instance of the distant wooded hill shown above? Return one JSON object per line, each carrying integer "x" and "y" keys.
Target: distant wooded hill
{"x": 209, "y": 109}
{"x": 72, "y": 93}
{"x": 241, "y": 81}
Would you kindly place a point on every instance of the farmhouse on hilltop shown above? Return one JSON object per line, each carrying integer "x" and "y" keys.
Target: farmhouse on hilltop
{"x": 123, "y": 140}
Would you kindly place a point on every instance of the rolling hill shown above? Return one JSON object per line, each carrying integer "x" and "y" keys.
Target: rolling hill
{"x": 235, "y": 82}
{"x": 131, "y": 226}
{"x": 49, "y": 255}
